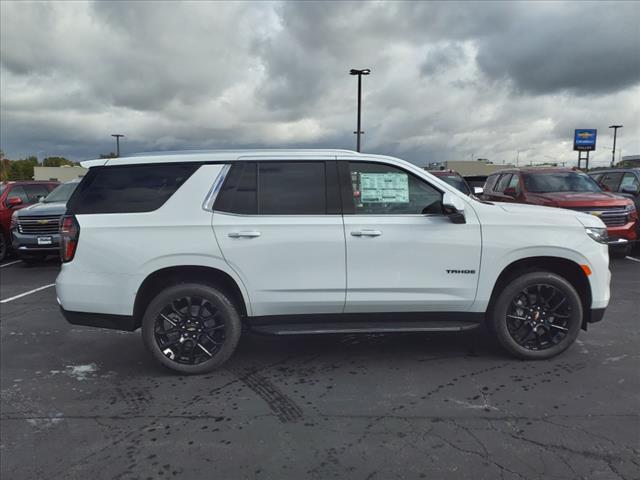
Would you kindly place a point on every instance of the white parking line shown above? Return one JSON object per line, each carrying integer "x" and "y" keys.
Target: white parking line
{"x": 633, "y": 259}
{"x": 10, "y": 263}
{"x": 6, "y": 300}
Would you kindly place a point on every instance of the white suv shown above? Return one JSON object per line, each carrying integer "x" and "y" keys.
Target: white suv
{"x": 197, "y": 247}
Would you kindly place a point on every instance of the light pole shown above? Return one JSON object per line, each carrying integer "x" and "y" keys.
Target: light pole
{"x": 117, "y": 135}
{"x": 359, "y": 73}
{"x": 613, "y": 151}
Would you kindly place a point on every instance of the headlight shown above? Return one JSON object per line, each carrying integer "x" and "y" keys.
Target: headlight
{"x": 597, "y": 233}
{"x": 14, "y": 220}
{"x": 630, "y": 208}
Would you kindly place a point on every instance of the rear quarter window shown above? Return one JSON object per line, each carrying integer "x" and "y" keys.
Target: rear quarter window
{"x": 128, "y": 188}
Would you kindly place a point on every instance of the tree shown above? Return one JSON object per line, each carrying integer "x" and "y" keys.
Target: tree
{"x": 108, "y": 155}
{"x": 56, "y": 162}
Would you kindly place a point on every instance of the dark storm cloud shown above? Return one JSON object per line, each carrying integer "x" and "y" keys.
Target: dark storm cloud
{"x": 449, "y": 79}
{"x": 585, "y": 48}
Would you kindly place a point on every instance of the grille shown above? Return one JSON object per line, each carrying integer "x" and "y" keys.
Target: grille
{"x": 611, "y": 216}
{"x": 43, "y": 225}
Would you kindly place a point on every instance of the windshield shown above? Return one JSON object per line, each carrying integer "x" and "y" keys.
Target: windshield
{"x": 2, "y": 189}
{"x": 61, "y": 193}
{"x": 560, "y": 182}
{"x": 457, "y": 182}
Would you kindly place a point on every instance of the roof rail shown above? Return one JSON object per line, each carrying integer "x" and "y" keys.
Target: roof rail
{"x": 255, "y": 151}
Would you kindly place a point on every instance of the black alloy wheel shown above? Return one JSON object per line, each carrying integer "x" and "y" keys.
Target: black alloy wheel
{"x": 539, "y": 317}
{"x": 536, "y": 315}
{"x": 191, "y": 328}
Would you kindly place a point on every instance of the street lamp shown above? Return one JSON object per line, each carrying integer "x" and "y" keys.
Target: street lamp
{"x": 117, "y": 135}
{"x": 359, "y": 73}
{"x": 613, "y": 151}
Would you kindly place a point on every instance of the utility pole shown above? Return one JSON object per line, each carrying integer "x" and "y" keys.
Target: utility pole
{"x": 613, "y": 151}
{"x": 117, "y": 135}
{"x": 359, "y": 73}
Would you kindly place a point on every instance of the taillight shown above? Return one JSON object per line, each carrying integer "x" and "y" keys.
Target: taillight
{"x": 69, "y": 234}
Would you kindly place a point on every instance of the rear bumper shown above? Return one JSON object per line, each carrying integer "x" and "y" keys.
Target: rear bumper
{"x": 100, "y": 320}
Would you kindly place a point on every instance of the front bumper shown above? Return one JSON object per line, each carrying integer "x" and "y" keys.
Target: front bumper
{"x": 628, "y": 231}
{"x": 28, "y": 243}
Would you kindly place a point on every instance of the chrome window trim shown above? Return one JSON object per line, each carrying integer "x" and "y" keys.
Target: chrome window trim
{"x": 215, "y": 188}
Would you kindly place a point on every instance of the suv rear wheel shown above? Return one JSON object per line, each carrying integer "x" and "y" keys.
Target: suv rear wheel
{"x": 537, "y": 316}
{"x": 191, "y": 328}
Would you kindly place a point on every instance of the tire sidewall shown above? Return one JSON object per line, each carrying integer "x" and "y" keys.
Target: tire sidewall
{"x": 499, "y": 323}
{"x": 217, "y": 298}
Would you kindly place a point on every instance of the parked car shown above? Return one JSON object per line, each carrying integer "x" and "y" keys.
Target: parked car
{"x": 454, "y": 179}
{"x": 622, "y": 181}
{"x": 567, "y": 188}
{"x": 476, "y": 182}
{"x": 36, "y": 228}
{"x": 196, "y": 248}
{"x": 14, "y": 196}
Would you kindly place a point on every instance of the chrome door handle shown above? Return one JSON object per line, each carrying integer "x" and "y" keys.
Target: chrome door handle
{"x": 250, "y": 234}
{"x": 366, "y": 233}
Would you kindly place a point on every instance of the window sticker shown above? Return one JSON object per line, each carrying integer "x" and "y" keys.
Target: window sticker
{"x": 384, "y": 188}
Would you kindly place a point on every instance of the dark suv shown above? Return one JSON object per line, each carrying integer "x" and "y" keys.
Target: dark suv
{"x": 35, "y": 229}
{"x": 14, "y": 196}
{"x": 622, "y": 181}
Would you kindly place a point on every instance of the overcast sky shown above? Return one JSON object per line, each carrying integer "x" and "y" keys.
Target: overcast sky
{"x": 449, "y": 80}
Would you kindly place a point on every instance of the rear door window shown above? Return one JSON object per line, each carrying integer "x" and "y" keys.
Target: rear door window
{"x": 280, "y": 188}
{"x": 128, "y": 188}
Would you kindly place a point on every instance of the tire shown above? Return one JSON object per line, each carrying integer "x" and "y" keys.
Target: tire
{"x": 620, "y": 252}
{"x": 4, "y": 246}
{"x": 532, "y": 326}
{"x": 191, "y": 345}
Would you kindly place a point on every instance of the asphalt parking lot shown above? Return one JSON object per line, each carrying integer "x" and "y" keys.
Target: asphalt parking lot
{"x": 87, "y": 403}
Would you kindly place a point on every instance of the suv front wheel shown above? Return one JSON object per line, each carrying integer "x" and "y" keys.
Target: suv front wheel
{"x": 191, "y": 328}
{"x": 537, "y": 315}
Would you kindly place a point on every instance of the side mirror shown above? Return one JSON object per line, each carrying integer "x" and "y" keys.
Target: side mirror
{"x": 14, "y": 202}
{"x": 630, "y": 189}
{"x": 510, "y": 192}
{"x": 478, "y": 190}
{"x": 453, "y": 207}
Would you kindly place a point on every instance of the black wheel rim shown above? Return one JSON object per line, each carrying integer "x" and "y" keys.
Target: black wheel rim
{"x": 190, "y": 330}
{"x": 539, "y": 317}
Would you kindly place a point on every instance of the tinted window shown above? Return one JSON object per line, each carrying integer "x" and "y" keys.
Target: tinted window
{"x": 34, "y": 192}
{"x": 128, "y": 189}
{"x": 274, "y": 188}
{"x": 62, "y": 193}
{"x": 490, "y": 183}
{"x": 378, "y": 189}
{"x": 514, "y": 182}
{"x": 560, "y": 182}
{"x": 239, "y": 192}
{"x": 611, "y": 180}
{"x": 503, "y": 182}
{"x": 19, "y": 192}
{"x": 457, "y": 182}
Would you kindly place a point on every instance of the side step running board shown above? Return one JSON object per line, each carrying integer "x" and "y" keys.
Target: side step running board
{"x": 363, "y": 327}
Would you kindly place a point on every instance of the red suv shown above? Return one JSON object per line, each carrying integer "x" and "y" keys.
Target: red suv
{"x": 16, "y": 195}
{"x": 565, "y": 188}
